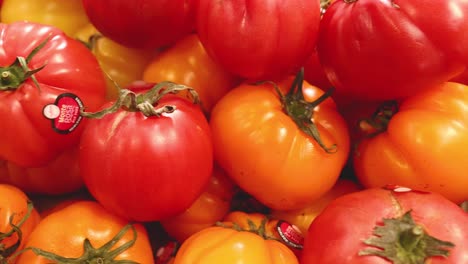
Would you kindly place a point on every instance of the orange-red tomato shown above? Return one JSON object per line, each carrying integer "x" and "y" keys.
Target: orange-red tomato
{"x": 187, "y": 63}
{"x": 265, "y": 152}
{"x": 86, "y": 225}
{"x": 61, "y": 176}
{"x": 15, "y": 209}
{"x": 214, "y": 245}
{"x": 421, "y": 145}
{"x": 212, "y": 205}
{"x": 302, "y": 218}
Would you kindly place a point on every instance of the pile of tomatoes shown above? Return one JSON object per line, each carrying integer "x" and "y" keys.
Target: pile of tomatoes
{"x": 258, "y": 132}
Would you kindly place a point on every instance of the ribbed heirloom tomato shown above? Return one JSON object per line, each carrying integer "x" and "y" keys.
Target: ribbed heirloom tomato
{"x": 284, "y": 150}
{"x": 419, "y": 143}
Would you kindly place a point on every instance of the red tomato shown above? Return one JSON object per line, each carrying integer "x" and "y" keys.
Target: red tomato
{"x": 147, "y": 166}
{"x": 419, "y": 144}
{"x": 378, "y": 226}
{"x": 28, "y": 138}
{"x": 266, "y": 142}
{"x": 142, "y": 23}
{"x": 60, "y": 176}
{"x": 389, "y": 49}
{"x": 259, "y": 39}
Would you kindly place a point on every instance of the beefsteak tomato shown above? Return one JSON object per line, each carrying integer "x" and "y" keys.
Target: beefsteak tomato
{"x": 142, "y": 23}
{"x": 27, "y": 137}
{"x": 85, "y": 232}
{"x": 390, "y": 49}
{"x": 383, "y": 226}
{"x": 258, "y": 39}
{"x": 418, "y": 143}
{"x": 149, "y": 155}
{"x": 285, "y": 150}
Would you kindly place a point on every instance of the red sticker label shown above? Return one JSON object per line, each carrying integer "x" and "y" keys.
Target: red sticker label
{"x": 64, "y": 113}
{"x": 290, "y": 234}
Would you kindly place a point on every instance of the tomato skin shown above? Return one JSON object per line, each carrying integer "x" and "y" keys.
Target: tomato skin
{"x": 123, "y": 65}
{"x": 302, "y": 218}
{"x": 210, "y": 207}
{"x": 70, "y": 67}
{"x": 267, "y": 155}
{"x": 186, "y": 62}
{"x": 60, "y": 176}
{"x": 13, "y": 201}
{"x": 68, "y": 15}
{"x": 142, "y": 23}
{"x": 170, "y": 155}
{"x": 421, "y": 148}
{"x": 218, "y": 244}
{"x": 383, "y": 50}
{"x": 336, "y": 235}
{"x": 280, "y": 34}
{"x": 63, "y": 232}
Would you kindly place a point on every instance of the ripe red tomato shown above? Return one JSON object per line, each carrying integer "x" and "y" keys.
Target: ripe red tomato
{"x": 142, "y": 23}
{"x": 259, "y": 39}
{"x": 266, "y": 143}
{"x": 420, "y": 144}
{"x": 27, "y": 137}
{"x": 389, "y": 49}
{"x": 147, "y": 166}
{"x": 380, "y": 226}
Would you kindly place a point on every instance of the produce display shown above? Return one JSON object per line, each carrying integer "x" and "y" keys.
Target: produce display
{"x": 254, "y": 132}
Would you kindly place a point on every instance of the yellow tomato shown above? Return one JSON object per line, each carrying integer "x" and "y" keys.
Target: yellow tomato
{"x": 122, "y": 65}
{"x": 214, "y": 245}
{"x": 302, "y": 218}
{"x": 68, "y": 15}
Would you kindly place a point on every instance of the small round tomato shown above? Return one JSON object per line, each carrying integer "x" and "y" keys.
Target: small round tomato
{"x": 391, "y": 225}
{"x": 211, "y": 206}
{"x": 286, "y": 147}
{"x": 18, "y": 218}
{"x": 302, "y": 218}
{"x": 84, "y": 232}
{"x": 67, "y": 15}
{"x": 187, "y": 63}
{"x": 214, "y": 245}
{"x": 61, "y": 176}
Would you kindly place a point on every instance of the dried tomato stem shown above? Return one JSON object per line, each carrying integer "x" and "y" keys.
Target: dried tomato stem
{"x": 145, "y": 102}
{"x": 379, "y": 119}
{"x": 402, "y": 241}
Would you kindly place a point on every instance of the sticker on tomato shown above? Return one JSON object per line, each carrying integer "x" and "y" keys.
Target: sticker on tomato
{"x": 290, "y": 234}
{"x": 64, "y": 113}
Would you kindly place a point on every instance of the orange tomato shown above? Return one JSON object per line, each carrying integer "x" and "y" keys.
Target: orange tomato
{"x": 268, "y": 154}
{"x": 87, "y": 233}
{"x": 421, "y": 145}
{"x": 122, "y": 64}
{"x": 61, "y": 176}
{"x": 302, "y": 218}
{"x": 188, "y": 63}
{"x": 214, "y": 245}
{"x": 17, "y": 210}
{"x": 212, "y": 205}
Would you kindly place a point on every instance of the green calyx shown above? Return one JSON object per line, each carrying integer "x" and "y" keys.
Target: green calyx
{"x": 402, "y": 241}
{"x": 302, "y": 112}
{"x": 6, "y": 253}
{"x": 379, "y": 120}
{"x": 91, "y": 255}
{"x": 11, "y": 77}
{"x": 259, "y": 230}
{"x": 146, "y": 103}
